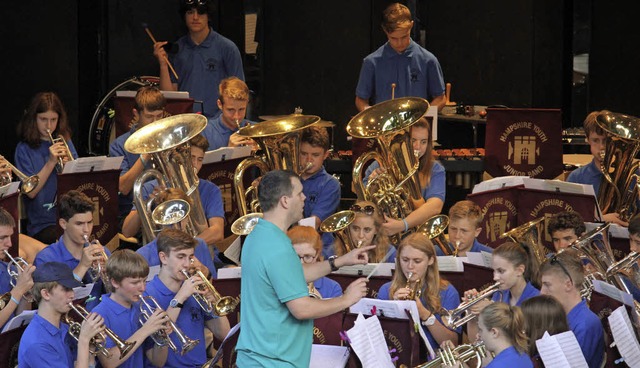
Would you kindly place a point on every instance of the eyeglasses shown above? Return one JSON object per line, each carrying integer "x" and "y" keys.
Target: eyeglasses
{"x": 308, "y": 258}
{"x": 196, "y": 2}
{"x": 555, "y": 260}
{"x": 367, "y": 210}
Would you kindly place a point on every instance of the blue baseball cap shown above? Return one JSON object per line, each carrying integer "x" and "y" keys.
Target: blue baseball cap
{"x": 56, "y": 271}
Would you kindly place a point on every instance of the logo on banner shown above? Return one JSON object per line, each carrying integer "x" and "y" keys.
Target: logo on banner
{"x": 524, "y": 140}
{"x": 497, "y": 214}
{"x": 548, "y": 208}
{"x": 99, "y": 196}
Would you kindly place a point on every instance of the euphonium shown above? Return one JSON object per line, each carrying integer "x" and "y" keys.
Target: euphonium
{"x": 167, "y": 142}
{"x": 338, "y": 223}
{"x": 29, "y": 183}
{"x": 434, "y": 229}
{"x": 98, "y": 268}
{"x": 529, "y": 234}
{"x": 20, "y": 264}
{"x": 279, "y": 141}
{"x": 99, "y": 341}
{"x": 148, "y": 305}
{"x": 616, "y": 193}
{"x": 221, "y": 306}
{"x": 460, "y": 354}
{"x": 457, "y": 317}
{"x": 67, "y": 152}
{"x": 243, "y": 225}
{"x": 395, "y": 190}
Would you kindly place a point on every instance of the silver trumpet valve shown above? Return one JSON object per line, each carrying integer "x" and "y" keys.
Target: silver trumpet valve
{"x": 17, "y": 263}
{"x": 98, "y": 269}
{"x": 457, "y": 317}
{"x": 148, "y": 305}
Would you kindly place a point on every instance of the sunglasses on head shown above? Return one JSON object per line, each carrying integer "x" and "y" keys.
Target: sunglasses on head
{"x": 555, "y": 260}
{"x": 196, "y": 2}
{"x": 367, "y": 210}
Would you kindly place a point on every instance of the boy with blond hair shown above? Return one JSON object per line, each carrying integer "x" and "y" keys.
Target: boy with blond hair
{"x": 465, "y": 224}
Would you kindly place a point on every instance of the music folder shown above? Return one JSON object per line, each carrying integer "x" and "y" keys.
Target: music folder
{"x": 91, "y": 164}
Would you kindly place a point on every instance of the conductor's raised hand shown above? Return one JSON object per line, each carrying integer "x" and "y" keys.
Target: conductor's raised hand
{"x": 355, "y": 257}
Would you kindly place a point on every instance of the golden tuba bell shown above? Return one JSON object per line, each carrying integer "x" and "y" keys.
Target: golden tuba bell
{"x": 167, "y": 142}
{"x": 616, "y": 193}
{"x": 338, "y": 223}
{"x": 67, "y": 151}
{"x": 529, "y": 234}
{"x": 279, "y": 141}
{"x": 29, "y": 183}
{"x": 434, "y": 229}
{"x": 394, "y": 190}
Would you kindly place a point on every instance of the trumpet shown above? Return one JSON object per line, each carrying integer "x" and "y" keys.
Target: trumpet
{"x": 148, "y": 305}
{"x": 98, "y": 342}
{"x": 67, "y": 152}
{"x": 416, "y": 290}
{"x": 98, "y": 269}
{"x": 21, "y": 265}
{"x": 29, "y": 183}
{"x": 221, "y": 305}
{"x": 454, "y": 319}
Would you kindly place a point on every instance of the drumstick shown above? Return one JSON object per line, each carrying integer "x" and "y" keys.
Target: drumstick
{"x": 154, "y": 41}
{"x": 383, "y": 260}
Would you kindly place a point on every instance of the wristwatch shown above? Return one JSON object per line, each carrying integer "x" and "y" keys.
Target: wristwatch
{"x": 175, "y": 304}
{"x": 429, "y": 321}
{"x": 332, "y": 263}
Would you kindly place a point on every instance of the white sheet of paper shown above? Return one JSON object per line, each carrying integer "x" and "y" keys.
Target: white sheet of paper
{"x": 92, "y": 163}
{"x": 625, "y": 338}
{"x": 9, "y": 188}
{"x": 21, "y": 319}
{"x": 450, "y": 264}
{"x": 233, "y": 252}
{"x": 323, "y": 356}
{"x": 226, "y": 153}
{"x": 367, "y": 341}
{"x": 230, "y": 273}
{"x": 82, "y": 291}
{"x": 611, "y": 291}
{"x": 385, "y": 269}
{"x": 561, "y": 351}
{"x": 498, "y": 183}
{"x": 153, "y": 271}
{"x": 309, "y": 221}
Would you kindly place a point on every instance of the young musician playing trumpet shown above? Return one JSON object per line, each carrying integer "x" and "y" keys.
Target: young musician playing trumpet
{"x": 417, "y": 278}
{"x": 24, "y": 281}
{"x": 174, "y": 293}
{"x": 365, "y": 230}
{"x": 308, "y": 245}
{"x": 44, "y": 119}
{"x": 45, "y": 340}
{"x": 127, "y": 272}
{"x": 465, "y": 224}
{"x": 76, "y": 219}
{"x": 432, "y": 182}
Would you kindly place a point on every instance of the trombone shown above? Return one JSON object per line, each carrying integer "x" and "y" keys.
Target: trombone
{"x": 148, "y": 305}
{"x": 20, "y": 264}
{"x": 454, "y": 319}
{"x": 67, "y": 152}
{"x": 29, "y": 183}
{"x": 98, "y": 268}
{"x": 99, "y": 341}
{"x": 221, "y": 305}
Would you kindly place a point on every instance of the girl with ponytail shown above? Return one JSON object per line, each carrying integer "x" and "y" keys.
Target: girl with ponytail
{"x": 501, "y": 327}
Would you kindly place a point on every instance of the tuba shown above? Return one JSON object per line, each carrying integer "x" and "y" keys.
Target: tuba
{"x": 434, "y": 229}
{"x": 394, "y": 190}
{"x": 338, "y": 223}
{"x": 67, "y": 151}
{"x": 29, "y": 183}
{"x": 529, "y": 234}
{"x": 616, "y": 193}
{"x": 279, "y": 141}
{"x": 167, "y": 141}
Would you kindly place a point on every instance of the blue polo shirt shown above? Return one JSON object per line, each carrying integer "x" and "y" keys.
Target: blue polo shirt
{"x": 323, "y": 197}
{"x": 202, "y": 67}
{"x": 150, "y": 253}
{"x": 124, "y": 322}
{"x": 43, "y": 344}
{"x": 505, "y": 295}
{"x": 328, "y": 288}
{"x": 270, "y": 335}
{"x": 416, "y": 72}
{"x": 191, "y": 321}
{"x": 437, "y": 187}
{"x": 57, "y": 252}
{"x": 116, "y": 149}
{"x": 587, "y": 174}
{"x": 588, "y": 330}
{"x": 217, "y": 133}
{"x": 41, "y": 210}
{"x": 510, "y": 357}
{"x": 449, "y": 300}
{"x": 477, "y": 247}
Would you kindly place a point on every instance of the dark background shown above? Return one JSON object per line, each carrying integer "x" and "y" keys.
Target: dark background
{"x": 515, "y": 53}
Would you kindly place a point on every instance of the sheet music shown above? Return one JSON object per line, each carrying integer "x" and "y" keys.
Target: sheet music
{"x": 90, "y": 164}
{"x": 21, "y": 319}
{"x": 498, "y": 183}
{"x": 625, "y": 338}
{"x": 328, "y": 356}
{"x": 450, "y": 264}
{"x": 230, "y": 273}
{"x": 560, "y": 351}
{"x": 226, "y": 153}
{"x": 367, "y": 341}
{"x": 385, "y": 269}
{"x": 9, "y": 188}
{"x": 559, "y": 186}
{"x": 571, "y": 349}
{"x": 479, "y": 259}
{"x": 612, "y": 292}
{"x": 82, "y": 291}
{"x": 233, "y": 252}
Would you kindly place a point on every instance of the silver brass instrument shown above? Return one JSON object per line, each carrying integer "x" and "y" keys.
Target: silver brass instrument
{"x": 29, "y": 183}
{"x": 67, "y": 151}
{"x": 394, "y": 190}
{"x": 20, "y": 264}
{"x": 457, "y": 317}
{"x": 460, "y": 354}
{"x": 98, "y": 268}
{"x": 338, "y": 223}
{"x": 279, "y": 141}
{"x": 167, "y": 142}
{"x": 221, "y": 305}
{"x": 434, "y": 229}
{"x": 246, "y": 223}
{"x": 616, "y": 194}
{"x": 148, "y": 305}
{"x": 98, "y": 342}
{"x": 529, "y": 234}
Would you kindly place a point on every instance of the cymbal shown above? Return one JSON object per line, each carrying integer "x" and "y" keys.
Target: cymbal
{"x": 321, "y": 123}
